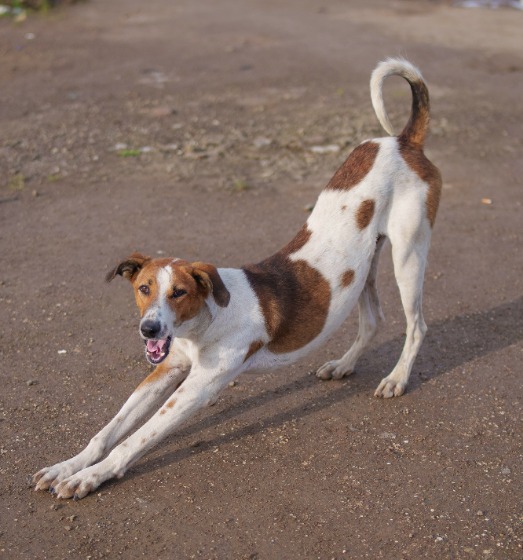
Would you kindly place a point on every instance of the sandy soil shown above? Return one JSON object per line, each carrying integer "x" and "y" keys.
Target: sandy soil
{"x": 185, "y": 129}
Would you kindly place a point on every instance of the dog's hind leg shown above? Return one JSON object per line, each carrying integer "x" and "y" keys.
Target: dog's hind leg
{"x": 370, "y": 317}
{"x": 409, "y": 255}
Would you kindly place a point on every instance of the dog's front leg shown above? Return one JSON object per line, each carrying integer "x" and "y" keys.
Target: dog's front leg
{"x": 146, "y": 396}
{"x": 199, "y": 389}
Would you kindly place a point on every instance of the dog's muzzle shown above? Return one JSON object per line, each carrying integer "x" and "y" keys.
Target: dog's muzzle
{"x": 156, "y": 347}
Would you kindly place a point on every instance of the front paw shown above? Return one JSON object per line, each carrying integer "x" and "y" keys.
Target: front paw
{"x": 87, "y": 480}
{"x": 49, "y": 477}
{"x": 78, "y": 485}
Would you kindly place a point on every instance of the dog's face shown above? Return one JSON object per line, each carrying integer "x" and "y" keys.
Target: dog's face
{"x": 171, "y": 295}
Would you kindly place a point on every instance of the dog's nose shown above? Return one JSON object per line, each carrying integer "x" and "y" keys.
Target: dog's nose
{"x": 150, "y": 328}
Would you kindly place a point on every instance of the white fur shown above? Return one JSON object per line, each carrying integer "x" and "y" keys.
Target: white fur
{"x": 210, "y": 350}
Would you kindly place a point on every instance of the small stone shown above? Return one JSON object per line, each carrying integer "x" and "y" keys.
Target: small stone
{"x": 328, "y": 149}
{"x": 31, "y": 382}
{"x": 71, "y": 518}
{"x": 505, "y": 470}
{"x": 480, "y": 513}
{"x": 262, "y": 142}
{"x": 68, "y": 528}
{"x": 233, "y": 384}
{"x": 387, "y": 435}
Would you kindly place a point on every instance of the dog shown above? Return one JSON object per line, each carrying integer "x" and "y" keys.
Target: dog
{"x": 203, "y": 326}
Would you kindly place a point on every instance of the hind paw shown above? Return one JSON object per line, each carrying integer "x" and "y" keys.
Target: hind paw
{"x": 335, "y": 369}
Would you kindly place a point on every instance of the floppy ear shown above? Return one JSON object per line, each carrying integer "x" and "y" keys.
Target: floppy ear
{"x": 128, "y": 268}
{"x": 207, "y": 275}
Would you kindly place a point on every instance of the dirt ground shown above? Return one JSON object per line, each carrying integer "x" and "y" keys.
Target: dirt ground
{"x": 204, "y": 130}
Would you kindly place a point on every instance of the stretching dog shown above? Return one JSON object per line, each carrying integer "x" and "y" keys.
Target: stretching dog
{"x": 203, "y": 326}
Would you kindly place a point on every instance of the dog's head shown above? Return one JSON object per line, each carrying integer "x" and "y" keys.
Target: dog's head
{"x": 172, "y": 295}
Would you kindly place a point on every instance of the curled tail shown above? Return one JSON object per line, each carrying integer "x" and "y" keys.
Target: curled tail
{"x": 416, "y": 129}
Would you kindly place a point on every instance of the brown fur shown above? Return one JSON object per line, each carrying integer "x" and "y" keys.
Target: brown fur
{"x": 364, "y": 213}
{"x": 416, "y": 128}
{"x": 253, "y": 348}
{"x": 189, "y": 305}
{"x": 158, "y": 372}
{"x": 426, "y": 171}
{"x": 355, "y": 168}
{"x": 294, "y": 298}
{"x": 347, "y": 277}
{"x": 299, "y": 240}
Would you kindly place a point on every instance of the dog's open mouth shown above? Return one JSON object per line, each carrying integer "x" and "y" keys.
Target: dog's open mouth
{"x": 157, "y": 350}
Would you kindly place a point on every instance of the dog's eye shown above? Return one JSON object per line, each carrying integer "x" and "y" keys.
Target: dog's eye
{"x": 178, "y": 293}
{"x": 145, "y": 290}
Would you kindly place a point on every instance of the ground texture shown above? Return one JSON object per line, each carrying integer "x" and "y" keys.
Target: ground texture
{"x": 204, "y": 130}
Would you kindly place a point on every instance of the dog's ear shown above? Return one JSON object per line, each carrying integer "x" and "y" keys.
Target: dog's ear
{"x": 128, "y": 268}
{"x": 207, "y": 275}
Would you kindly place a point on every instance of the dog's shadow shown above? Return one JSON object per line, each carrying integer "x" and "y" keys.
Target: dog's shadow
{"x": 449, "y": 344}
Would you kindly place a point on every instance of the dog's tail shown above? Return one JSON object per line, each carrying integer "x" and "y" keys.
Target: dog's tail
{"x": 416, "y": 129}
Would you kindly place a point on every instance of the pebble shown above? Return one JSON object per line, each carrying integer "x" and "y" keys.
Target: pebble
{"x": 387, "y": 435}
{"x": 262, "y": 142}
{"x": 328, "y": 149}
{"x": 31, "y": 382}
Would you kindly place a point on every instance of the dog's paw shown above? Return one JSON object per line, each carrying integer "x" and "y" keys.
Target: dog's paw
{"x": 335, "y": 369}
{"x": 390, "y": 387}
{"x": 78, "y": 485}
{"x": 49, "y": 477}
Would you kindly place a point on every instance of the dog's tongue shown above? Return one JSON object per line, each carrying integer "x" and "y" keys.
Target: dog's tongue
{"x": 156, "y": 346}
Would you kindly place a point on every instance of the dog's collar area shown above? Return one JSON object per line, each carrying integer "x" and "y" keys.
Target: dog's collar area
{"x": 156, "y": 350}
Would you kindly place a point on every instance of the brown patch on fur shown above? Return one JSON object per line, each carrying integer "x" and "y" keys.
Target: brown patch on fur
{"x": 189, "y": 305}
{"x": 294, "y": 298}
{"x": 299, "y": 240}
{"x": 426, "y": 171}
{"x": 416, "y": 128}
{"x": 355, "y": 168}
{"x": 162, "y": 411}
{"x": 347, "y": 277}
{"x": 129, "y": 267}
{"x": 158, "y": 372}
{"x": 143, "y": 440}
{"x": 208, "y": 275}
{"x": 344, "y": 207}
{"x": 171, "y": 403}
{"x": 253, "y": 348}
{"x": 180, "y": 390}
{"x": 364, "y": 213}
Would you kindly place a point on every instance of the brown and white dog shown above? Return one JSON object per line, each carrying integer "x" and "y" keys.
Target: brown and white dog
{"x": 204, "y": 326}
